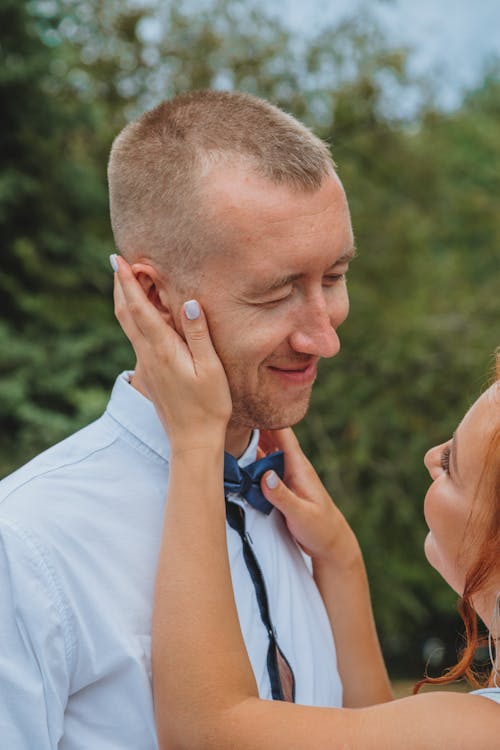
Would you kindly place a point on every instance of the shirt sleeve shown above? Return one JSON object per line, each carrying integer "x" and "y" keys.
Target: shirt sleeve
{"x": 35, "y": 645}
{"x": 491, "y": 693}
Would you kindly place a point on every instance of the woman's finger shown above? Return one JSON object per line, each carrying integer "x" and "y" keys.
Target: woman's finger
{"x": 144, "y": 314}
{"x": 299, "y": 472}
{"x": 267, "y": 443}
{"x": 123, "y": 316}
{"x": 285, "y": 439}
{"x": 195, "y": 327}
{"x": 276, "y": 491}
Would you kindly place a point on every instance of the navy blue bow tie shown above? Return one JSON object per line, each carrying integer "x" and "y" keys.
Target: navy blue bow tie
{"x": 246, "y": 481}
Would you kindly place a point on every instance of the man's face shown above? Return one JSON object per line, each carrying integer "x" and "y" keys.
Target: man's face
{"x": 275, "y": 293}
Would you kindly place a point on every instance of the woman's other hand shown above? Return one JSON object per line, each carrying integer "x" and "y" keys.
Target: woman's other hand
{"x": 312, "y": 517}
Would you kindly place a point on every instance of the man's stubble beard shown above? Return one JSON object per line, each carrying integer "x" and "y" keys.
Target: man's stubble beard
{"x": 254, "y": 411}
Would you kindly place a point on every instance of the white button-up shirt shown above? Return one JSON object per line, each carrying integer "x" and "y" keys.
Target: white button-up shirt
{"x": 80, "y": 529}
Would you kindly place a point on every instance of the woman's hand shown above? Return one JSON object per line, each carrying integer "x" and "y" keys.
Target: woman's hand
{"x": 312, "y": 517}
{"x": 184, "y": 379}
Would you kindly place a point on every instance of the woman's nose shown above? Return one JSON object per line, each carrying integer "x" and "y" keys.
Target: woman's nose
{"x": 432, "y": 460}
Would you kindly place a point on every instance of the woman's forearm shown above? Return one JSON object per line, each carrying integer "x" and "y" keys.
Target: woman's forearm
{"x": 343, "y": 585}
{"x": 195, "y": 631}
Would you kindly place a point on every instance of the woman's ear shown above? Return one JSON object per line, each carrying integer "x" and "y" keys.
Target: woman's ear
{"x": 155, "y": 289}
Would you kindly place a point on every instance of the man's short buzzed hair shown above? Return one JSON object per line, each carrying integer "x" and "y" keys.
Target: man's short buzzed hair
{"x": 158, "y": 162}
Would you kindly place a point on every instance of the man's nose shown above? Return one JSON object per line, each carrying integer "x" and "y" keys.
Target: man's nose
{"x": 314, "y": 333}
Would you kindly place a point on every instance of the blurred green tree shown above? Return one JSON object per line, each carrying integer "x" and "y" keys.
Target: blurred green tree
{"x": 57, "y": 333}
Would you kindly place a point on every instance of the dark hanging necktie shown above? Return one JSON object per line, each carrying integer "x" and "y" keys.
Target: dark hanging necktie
{"x": 279, "y": 670}
{"x": 246, "y": 481}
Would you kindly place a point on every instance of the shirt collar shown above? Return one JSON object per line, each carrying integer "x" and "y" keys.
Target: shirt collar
{"x": 250, "y": 454}
{"x": 137, "y": 414}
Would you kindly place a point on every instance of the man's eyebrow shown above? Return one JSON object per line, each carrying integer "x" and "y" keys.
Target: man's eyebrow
{"x": 346, "y": 257}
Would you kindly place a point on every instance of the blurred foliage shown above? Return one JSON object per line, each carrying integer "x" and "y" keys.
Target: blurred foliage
{"x": 424, "y": 292}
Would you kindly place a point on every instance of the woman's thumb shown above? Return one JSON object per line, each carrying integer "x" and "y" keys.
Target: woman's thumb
{"x": 276, "y": 491}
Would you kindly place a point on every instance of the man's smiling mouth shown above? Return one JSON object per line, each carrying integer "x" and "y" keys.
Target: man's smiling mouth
{"x": 296, "y": 375}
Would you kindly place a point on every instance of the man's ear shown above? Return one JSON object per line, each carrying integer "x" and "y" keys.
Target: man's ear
{"x": 155, "y": 288}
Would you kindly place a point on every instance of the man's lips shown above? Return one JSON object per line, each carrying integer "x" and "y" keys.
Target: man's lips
{"x": 296, "y": 373}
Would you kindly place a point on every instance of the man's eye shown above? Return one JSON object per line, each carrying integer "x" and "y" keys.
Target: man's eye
{"x": 445, "y": 460}
{"x": 333, "y": 278}
{"x": 272, "y": 302}
{"x": 284, "y": 294}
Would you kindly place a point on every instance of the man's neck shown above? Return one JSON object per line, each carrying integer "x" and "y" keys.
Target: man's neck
{"x": 237, "y": 440}
{"x": 137, "y": 383}
{"x": 237, "y": 437}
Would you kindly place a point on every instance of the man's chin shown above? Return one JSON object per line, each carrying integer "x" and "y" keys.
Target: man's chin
{"x": 270, "y": 419}
{"x": 280, "y": 424}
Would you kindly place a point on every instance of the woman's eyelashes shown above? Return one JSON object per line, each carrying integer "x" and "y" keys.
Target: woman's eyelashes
{"x": 445, "y": 459}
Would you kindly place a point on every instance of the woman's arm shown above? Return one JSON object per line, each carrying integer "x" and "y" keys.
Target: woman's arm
{"x": 346, "y": 594}
{"x": 200, "y": 664}
{"x": 205, "y": 693}
{"x": 339, "y": 571}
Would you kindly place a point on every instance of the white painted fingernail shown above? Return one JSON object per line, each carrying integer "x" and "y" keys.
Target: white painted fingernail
{"x": 272, "y": 480}
{"x": 192, "y": 309}
{"x": 113, "y": 262}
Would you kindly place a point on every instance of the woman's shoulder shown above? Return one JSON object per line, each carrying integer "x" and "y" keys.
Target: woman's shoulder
{"x": 493, "y": 693}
